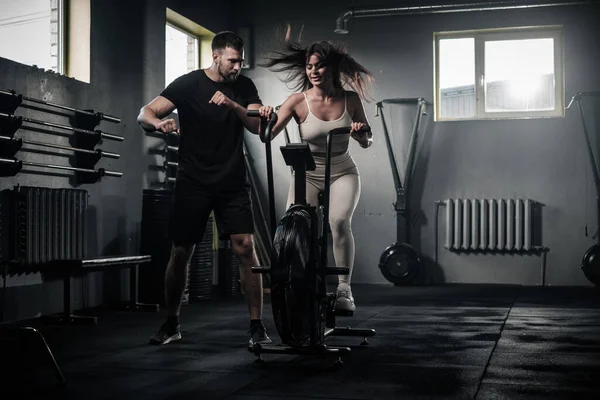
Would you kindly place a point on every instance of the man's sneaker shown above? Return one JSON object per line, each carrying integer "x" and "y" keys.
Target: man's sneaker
{"x": 344, "y": 302}
{"x": 258, "y": 335}
{"x": 166, "y": 334}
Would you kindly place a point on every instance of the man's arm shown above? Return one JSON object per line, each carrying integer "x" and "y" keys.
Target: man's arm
{"x": 151, "y": 115}
{"x": 251, "y": 123}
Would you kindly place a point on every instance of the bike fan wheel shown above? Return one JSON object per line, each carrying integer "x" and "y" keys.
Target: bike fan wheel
{"x": 290, "y": 285}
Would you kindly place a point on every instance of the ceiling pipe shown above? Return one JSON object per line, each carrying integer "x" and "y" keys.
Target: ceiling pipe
{"x": 341, "y": 24}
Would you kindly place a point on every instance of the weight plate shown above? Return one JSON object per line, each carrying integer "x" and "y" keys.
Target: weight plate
{"x": 590, "y": 264}
{"x": 400, "y": 264}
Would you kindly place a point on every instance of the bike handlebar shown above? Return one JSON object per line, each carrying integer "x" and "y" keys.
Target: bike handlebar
{"x": 346, "y": 129}
{"x": 267, "y": 136}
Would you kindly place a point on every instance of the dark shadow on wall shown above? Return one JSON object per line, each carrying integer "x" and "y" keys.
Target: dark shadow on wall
{"x": 92, "y": 233}
{"x": 116, "y": 239}
{"x": 6, "y": 227}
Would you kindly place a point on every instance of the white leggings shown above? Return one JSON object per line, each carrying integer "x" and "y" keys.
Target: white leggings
{"x": 344, "y": 194}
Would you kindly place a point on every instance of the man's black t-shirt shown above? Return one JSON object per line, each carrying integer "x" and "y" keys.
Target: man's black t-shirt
{"x": 211, "y": 142}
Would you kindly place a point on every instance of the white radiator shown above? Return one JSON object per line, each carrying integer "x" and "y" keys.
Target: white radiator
{"x": 489, "y": 224}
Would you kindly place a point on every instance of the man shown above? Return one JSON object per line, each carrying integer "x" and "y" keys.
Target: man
{"x": 211, "y": 104}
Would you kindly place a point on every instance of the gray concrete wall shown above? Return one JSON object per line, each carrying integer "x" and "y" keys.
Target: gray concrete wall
{"x": 544, "y": 160}
{"x": 541, "y": 159}
{"x": 127, "y": 71}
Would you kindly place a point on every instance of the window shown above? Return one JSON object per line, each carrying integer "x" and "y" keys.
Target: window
{"x": 187, "y": 46}
{"x": 51, "y": 34}
{"x": 32, "y": 33}
{"x": 500, "y": 73}
{"x": 181, "y": 53}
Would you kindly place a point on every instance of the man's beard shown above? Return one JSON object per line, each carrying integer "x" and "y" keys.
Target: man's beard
{"x": 231, "y": 77}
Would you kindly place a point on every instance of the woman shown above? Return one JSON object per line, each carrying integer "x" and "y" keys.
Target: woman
{"x": 322, "y": 70}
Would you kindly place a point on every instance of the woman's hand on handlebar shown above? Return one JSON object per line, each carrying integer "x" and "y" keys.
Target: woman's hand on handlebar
{"x": 365, "y": 139}
{"x": 356, "y": 127}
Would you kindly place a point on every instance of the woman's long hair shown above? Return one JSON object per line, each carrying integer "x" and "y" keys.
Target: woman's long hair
{"x": 345, "y": 70}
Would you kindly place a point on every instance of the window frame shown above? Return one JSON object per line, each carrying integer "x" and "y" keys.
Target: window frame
{"x": 203, "y": 35}
{"x": 62, "y": 37}
{"x": 176, "y": 26}
{"x": 75, "y": 56}
{"x": 482, "y": 36}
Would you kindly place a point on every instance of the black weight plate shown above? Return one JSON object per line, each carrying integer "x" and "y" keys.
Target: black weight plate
{"x": 400, "y": 264}
{"x": 590, "y": 264}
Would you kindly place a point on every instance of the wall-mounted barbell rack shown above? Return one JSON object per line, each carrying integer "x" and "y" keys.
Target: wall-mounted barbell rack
{"x": 82, "y": 123}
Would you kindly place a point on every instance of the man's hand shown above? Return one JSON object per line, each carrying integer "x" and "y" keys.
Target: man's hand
{"x": 168, "y": 125}
{"x": 265, "y": 117}
{"x": 265, "y": 112}
{"x": 221, "y": 100}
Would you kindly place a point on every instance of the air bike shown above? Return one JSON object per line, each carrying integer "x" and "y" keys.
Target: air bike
{"x": 302, "y": 309}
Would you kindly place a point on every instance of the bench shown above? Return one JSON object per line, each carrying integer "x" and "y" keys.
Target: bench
{"x": 69, "y": 268}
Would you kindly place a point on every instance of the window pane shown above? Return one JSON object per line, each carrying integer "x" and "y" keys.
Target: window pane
{"x": 457, "y": 77}
{"x": 181, "y": 54}
{"x": 519, "y": 75}
{"x": 28, "y": 34}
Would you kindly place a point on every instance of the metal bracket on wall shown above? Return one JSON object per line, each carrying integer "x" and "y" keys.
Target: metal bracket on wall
{"x": 8, "y": 104}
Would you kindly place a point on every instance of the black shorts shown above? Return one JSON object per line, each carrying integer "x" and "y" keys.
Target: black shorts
{"x": 192, "y": 205}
